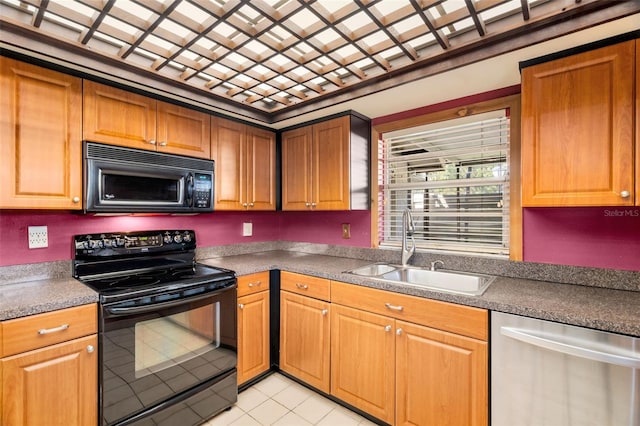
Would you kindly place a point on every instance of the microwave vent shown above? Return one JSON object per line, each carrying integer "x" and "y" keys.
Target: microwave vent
{"x": 131, "y": 155}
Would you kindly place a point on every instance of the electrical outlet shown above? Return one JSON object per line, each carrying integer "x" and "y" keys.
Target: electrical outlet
{"x": 38, "y": 237}
{"x": 346, "y": 230}
{"x": 247, "y": 229}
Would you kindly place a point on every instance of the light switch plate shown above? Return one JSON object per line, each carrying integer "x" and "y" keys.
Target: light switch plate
{"x": 247, "y": 229}
{"x": 346, "y": 230}
{"x": 38, "y": 237}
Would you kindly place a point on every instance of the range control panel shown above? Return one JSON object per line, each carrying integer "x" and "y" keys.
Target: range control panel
{"x": 126, "y": 243}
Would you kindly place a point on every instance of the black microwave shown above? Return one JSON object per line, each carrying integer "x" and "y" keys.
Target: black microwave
{"x": 127, "y": 180}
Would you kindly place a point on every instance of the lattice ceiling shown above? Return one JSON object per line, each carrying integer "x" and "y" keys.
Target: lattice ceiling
{"x": 273, "y": 54}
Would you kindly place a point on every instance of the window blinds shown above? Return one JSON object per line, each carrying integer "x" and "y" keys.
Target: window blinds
{"x": 455, "y": 180}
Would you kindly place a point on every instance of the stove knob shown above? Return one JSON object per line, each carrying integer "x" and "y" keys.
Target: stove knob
{"x": 177, "y": 238}
{"x": 106, "y": 242}
{"x": 86, "y": 245}
{"x": 167, "y": 239}
{"x": 118, "y": 242}
{"x": 187, "y": 237}
{"x": 94, "y": 244}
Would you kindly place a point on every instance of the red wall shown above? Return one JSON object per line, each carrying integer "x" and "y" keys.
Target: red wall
{"x": 215, "y": 229}
{"x": 601, "y": 237}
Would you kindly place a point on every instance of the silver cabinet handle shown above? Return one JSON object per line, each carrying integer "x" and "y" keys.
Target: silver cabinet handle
{"x": 565, "y": 348}
{"x": 152, "y": 142}
{"x": 313, "y": 205}
{"x": 163, "y": 144}
{"x": 394, "y": 307}
{"x": 244, "y": 204}
{"x": 302, "y": 286}
{"x": 256, "y": 284}
{"x": 250, "y": 204}
{"x": 76, "y": 200}
{"x": 90, "y": 349}
{"x": 625, "y": 194}
{"x": 241, "y": 305}
{"x": 399, "y": 331}
{"x": 53, "y": 330}
{"x": 387, "y": 328}
{"x": 307, "y": 204}
{"x": 324, "y": 312}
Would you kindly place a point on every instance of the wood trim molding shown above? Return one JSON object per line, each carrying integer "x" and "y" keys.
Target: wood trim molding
{"x": 512, "y": 103}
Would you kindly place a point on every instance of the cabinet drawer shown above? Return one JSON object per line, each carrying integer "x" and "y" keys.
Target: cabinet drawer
{"x": 253, "y": 283}
{"x": 464, "y": 320}
{"x": 315, "y": 287}
{"x": 37, "y": 331}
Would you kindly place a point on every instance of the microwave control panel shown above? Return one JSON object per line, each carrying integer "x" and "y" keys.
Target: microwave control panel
{"x": 203, "y": 188}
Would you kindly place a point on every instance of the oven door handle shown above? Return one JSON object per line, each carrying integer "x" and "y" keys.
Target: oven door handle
{"x": 115, "y": 311}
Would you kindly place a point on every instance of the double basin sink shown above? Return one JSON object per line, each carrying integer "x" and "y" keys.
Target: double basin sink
{"x": 439, "y": 280}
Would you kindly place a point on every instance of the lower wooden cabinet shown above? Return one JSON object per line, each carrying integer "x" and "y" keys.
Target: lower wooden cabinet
{"x": 50, "y": 377}
{"x": 304, "y": 339}
{"x": 406, "y": 373}
{"x": 253, "y": 326}
{"x": 362, "y": 355}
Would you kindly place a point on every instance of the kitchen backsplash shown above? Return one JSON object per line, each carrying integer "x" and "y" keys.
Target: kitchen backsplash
{"x": 213, "y": 229}
{"x": 598, "y": 237}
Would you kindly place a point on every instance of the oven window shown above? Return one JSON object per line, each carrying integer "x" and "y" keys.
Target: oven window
{"x": 163, "y": 342}
{"x": 139, "y": 188}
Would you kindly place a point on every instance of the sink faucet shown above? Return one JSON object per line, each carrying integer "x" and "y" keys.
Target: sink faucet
{"x": 436, "y": 263}
{"x": 408, "y": 228}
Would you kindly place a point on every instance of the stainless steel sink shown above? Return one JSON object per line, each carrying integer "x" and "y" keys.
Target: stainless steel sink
{"x": 373, "y": 270}
{"x": 440, "y": 280}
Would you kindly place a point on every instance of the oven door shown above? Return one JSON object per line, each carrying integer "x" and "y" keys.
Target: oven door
{"x": 153, "y": 353}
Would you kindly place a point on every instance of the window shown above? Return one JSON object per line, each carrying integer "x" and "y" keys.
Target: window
{"x": 454, "y": 177}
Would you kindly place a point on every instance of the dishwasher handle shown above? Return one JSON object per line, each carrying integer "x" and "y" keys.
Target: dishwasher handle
{"x": 565, "y": 348}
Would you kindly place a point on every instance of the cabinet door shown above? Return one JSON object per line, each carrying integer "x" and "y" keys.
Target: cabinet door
{"x": 183, "y": 131}
{"x": 228, "y": 152}
{"x": 296, "y": 169}
{"x": 304, "y": 339}
{"x": 261, "y": 169}
{"x": 118, "y": 117}
{"x": 441, "y": 378}
{"x": 40, "y": 130}
{"x": 56, "y": 385}
{"x": 253, "y": 335}
{"x": 330, "y": 165}
{"x": 577, "y": 129}
{"x": 362, "y": 361}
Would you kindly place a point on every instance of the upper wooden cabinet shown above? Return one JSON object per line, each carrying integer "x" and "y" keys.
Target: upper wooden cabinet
{"x": 245, "y": 161}
{"x": 578, "y": 129}
{"x": 40, "y": 134}
{"x": 119, "y": 117}
{"x": 325, "y": 166}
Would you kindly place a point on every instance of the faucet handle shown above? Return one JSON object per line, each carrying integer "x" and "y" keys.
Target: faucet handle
{"x": 435, "y": 263}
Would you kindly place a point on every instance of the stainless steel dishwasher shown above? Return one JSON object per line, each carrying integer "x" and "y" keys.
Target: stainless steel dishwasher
{"x": 545, "y": 373}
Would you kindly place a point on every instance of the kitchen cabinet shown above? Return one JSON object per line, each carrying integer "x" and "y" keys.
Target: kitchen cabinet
{"x": 40, "y": 129}
{"x": 408, "y": 360}
{"x": 253, "y": 326}
{"x": 578, "y": 129}
{"x": 124, "y": 118}
{"x": 245, "y": 159}
{"x": 49, "y": 368}
{"x": 325, "y": 165}
{"x": 304, "y": 329}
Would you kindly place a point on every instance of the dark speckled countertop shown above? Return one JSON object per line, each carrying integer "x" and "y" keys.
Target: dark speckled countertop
{"x": 599, "y": 308}
{"x": 25, "y": 291}
{"x": 33, "y": 297}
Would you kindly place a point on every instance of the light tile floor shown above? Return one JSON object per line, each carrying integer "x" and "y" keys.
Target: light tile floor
{"x": 278, "y": 400}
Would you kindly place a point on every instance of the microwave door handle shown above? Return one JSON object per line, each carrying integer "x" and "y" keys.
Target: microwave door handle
{"x": 190, "y": 184}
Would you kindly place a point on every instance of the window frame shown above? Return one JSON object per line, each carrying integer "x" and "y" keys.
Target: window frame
{"x": 512, "y": 103}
